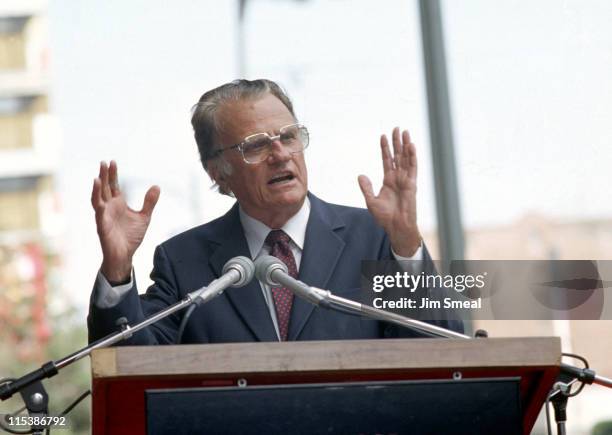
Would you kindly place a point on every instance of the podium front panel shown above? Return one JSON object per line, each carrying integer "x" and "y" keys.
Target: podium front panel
{"x": 481, "y": 406}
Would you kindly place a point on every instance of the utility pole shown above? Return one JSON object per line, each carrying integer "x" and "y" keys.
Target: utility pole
{"x": 448, "y": 208}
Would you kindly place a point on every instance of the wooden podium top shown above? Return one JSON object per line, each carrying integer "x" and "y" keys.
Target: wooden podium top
{"x": 317, "y": 356}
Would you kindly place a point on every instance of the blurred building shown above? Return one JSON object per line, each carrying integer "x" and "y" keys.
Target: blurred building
{"x": 29, "y": 156}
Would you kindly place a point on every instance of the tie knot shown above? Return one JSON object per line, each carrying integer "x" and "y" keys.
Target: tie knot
{"x": 277, "y": 236}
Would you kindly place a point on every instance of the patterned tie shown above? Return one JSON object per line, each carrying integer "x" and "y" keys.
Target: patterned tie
{"x": 278, "y": 241}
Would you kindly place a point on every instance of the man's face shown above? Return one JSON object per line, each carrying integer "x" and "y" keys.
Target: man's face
{"x": 275, "y": 186}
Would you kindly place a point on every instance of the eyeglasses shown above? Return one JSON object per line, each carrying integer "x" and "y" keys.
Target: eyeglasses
{"x": 257, "y": 147}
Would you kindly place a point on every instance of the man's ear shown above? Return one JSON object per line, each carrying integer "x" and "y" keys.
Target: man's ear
{"x": 214, "y": 173}
{"x": 218, "y": 176}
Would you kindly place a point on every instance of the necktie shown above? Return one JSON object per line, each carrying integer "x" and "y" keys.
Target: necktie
{"x": 278, "y": 241}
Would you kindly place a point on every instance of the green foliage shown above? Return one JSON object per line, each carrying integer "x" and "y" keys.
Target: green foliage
{"x": 602, "y": 428}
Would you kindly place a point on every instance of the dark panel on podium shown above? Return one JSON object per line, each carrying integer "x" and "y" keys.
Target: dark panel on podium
{"x": 474, "y": 406}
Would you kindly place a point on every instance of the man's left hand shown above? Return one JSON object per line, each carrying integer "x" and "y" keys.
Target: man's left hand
{"x": 394, "y": 208}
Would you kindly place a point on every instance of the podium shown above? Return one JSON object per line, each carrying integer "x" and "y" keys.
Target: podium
{"x": 391, "y": 386}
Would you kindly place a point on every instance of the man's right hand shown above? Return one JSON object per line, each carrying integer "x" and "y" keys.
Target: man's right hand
{"x": 120, "y": 229}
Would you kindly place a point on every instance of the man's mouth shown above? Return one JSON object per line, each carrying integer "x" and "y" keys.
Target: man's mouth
{"x": 280, "y": 178}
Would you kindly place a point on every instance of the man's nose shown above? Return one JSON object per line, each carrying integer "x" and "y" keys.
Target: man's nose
{"x": 278, "y": 152}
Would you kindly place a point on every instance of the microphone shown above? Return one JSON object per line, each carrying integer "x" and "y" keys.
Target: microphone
{"x": 273, "y": 272}
{"x": 237, "y": 272}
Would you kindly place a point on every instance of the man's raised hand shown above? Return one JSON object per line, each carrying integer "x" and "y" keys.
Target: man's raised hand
{"x": 394, "y": 208}
{"x": 120, "y": 229}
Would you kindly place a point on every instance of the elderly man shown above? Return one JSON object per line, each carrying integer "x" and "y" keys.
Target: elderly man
{"x": 252, "y": 146}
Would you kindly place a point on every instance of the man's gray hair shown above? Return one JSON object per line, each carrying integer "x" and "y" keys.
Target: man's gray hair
{"x": 206, "y": 125}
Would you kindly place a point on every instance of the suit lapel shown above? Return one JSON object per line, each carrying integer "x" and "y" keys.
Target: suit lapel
{"x": 248, "y": 301}
{"x": 322, "y": 249}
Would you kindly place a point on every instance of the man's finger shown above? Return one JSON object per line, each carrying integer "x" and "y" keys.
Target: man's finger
{"x": 406, "y": 136}
{"x": 150, "y": 200}
{"x": 403, "y": 161}
{"x": 96, "y": 200}
{"x": 105, "y": 190}
{"x": 113, "y": 179}
{"x": 397, "y": 147}
{"x": 387, "y": 160}
{"x": 410, "y": 156}
{"x": 366, "y": 188}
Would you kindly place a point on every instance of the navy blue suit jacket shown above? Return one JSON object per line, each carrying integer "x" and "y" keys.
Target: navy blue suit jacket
{"x": 337, "y": 239}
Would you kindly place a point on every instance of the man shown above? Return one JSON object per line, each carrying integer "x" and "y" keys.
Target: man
{"x": 252, "y": 146}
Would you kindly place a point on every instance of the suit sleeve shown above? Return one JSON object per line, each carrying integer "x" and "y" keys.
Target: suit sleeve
{"x": 441, "y": 317}
{"x": 162, "y": 293}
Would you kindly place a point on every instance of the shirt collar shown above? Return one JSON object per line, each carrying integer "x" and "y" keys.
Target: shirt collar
{"x": 256, "y": 231}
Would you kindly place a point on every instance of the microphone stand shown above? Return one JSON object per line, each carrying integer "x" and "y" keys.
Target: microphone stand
{"x": 332, "y": 301}
{"x": 326, "y": 299}
{"x": 30, "y": 386}
{"x": 585, "y": 375}
{"x": 561, "y": 391}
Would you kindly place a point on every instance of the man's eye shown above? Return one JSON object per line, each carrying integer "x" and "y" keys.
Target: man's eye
{"x": 288, "y": 137}
{"x": 256, "y": 146}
